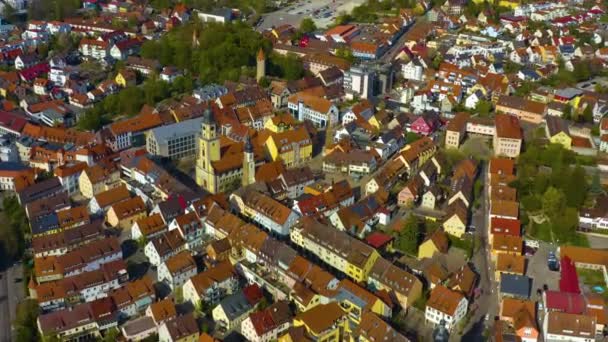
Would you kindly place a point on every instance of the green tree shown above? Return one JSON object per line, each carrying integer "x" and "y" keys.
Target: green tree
{"x": 307, "y": 25}
{"x": 26, "y": 327}
{"x": 437, "y": 61}
{"x": 567, "y": 112}
{"x": 345, "y": 53}
{"x": 588, "y": 114}
{"x": 575, "y": 187}
{"x": 8, "y": 13}
{"x": 408, "y": 239}
{"x": 483, "y": 108}
{"x": 111, "y": 335}
{"x": 553, "y": 202}
{"x": 596, "y": 184}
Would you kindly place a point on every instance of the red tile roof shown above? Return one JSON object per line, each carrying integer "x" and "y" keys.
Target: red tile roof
{"x": 378, "y": 239}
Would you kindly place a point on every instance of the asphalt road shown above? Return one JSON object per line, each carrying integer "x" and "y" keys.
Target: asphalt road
{"x": 11, "y": 293}
{"x": 487, "y": 303}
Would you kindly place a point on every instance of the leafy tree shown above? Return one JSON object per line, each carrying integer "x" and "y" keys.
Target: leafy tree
{"x": 567, "y": 112}
{"x": 289, "y": 66}
{"x": 408, "y": 239}
{"x": 345, "y": 53}
{"x": 437, "y": 61}
{"x": 307, "y": 25}
{"x": 224, "y": 52}
{"x": 111, "y": 335}
{"x": 8, "y": 13}
{"x": 596, "y": 185}
{"x": 575, "y": 187}
{"x": 52, "y": 9}
{"x": 553, "y": 202}
{"x": 588, "y": 114}
{"x": 26, "y": 328}
{"x": 483, "y": 108}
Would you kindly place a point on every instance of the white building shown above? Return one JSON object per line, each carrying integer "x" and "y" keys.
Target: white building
{"x": 161, "y": 248}
{"x": 267, "y": 325}
{"x": 265, "y": 211}
{"x": 359, "y": 82}
{"x": 320, "y": 111}
{"x": 220, "y": 15}
{"x": 413, "y": 70}
{"x": 178, "y": 269}
{"x": 212, "y": 285}
{"x": 445, "y": 304}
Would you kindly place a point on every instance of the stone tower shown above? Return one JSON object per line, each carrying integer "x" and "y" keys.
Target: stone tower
{"x": 209, "y": 151}
{"x": 261, "y": 66}
{"x": 248, "y": 163}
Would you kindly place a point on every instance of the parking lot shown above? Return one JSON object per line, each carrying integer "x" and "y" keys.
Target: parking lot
{"x": 539, "y": 271}
{"x": 322, "y": 12}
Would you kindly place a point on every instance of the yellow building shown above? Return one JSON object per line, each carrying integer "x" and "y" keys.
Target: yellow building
{"x": 557, "y": 132}
{"x": 280, "y": 123}
{"x": 456, "y": 220}
{"x": 293, "y": 147}
{"x": 336, "y": 248}
{"x": 404, "y": 286}
{"x": 510, "y": 4}
{"x": 125, "y": 213}
{"x": 217, "y": 172}
{"x": 97, "y": 179}
{"x": 324, "y": 322}
{"x": 436, "y": 243}
{"x": 356, "y": 300}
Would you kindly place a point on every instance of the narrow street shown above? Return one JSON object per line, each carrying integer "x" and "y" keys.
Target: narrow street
{"x": 487, "y": 303}
{"x": 11, "y": 293}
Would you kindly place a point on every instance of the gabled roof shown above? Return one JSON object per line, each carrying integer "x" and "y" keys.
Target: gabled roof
{"x": 444, "y": 300}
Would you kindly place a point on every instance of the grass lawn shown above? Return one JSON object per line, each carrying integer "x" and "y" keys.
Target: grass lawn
{"x": 465, "y": 243}
{"x": 542, "y": 231}
{"x": 592, "y": 278}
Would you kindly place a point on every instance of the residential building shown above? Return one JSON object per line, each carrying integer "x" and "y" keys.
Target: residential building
{"x": 373, "y": 328}
{"x": 180, "y": 329}
{"x": 521, "y": 315}
{"x": 268, "y": 324}
{"x": 293, "y": 147}
{"x": 557, "y": 131}
{"x": 436, "y": 243}
{"x": 264, "y": 210}
{"x": 324, "y": 322}
{"x": 447, "y": 305}
{"x": 16, "y": 177}
{"x": 139, "y": 329}
{"x": 178, "y": 269}
{"x": 212, "y": 285}
{"x": 164, "y": 246}
{"x": 102, "y": 202}
{"x": 525, "y": 110}
{"x": 456, "y": 130}
{"x": 318, "y": 110}
{"x": 125, "y": 213}
{"x": 336, "y": 248}
{"x": 400, "y": 284}
{"x": 561, "y": 326}
{"x": 98, "y": 178}
{"x": 508, "y": 137}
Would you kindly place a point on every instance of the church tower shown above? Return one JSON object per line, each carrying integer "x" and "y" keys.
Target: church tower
{"x": 248, "y": 163}
{"x": 261, "y": 66}
{"x": 209, "y": 151}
